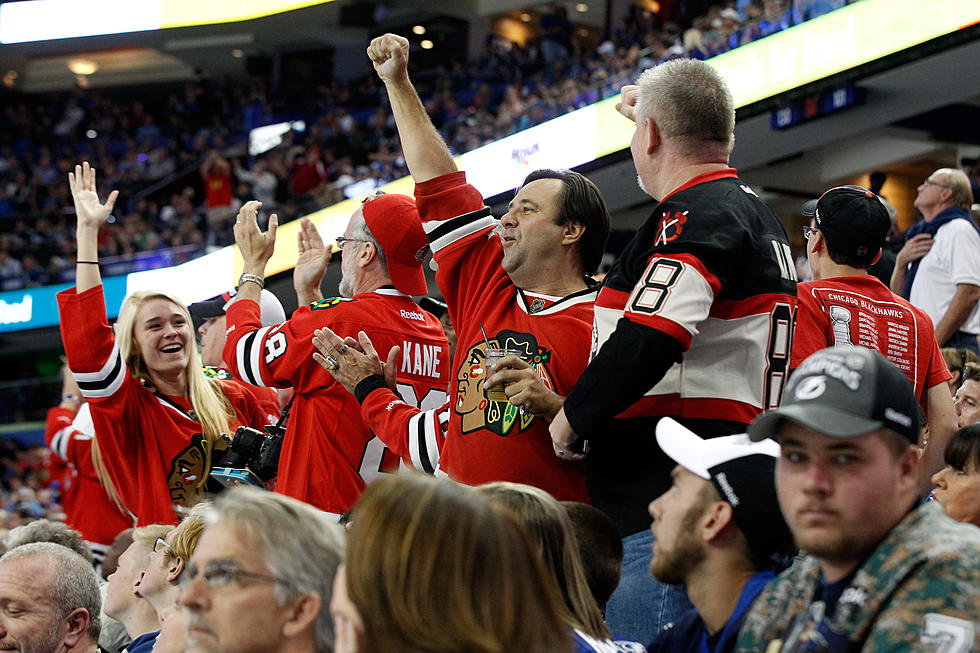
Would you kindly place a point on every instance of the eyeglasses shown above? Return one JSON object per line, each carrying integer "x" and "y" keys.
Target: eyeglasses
{"x": 934, "y": 183}
{"x": 160, "y": 544}
{"x": 341, "y": 241}
{"x": 221, "y": 574}
{"x": 809, "y": 231}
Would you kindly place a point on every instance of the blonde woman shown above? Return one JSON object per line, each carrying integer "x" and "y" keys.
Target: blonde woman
{"x": 158, "y": 419}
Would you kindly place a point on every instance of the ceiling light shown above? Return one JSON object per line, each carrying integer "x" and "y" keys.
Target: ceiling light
{"x": 237, "y": 53}
{"x": 581, "y": 7}
{"x": 418, "y": 30}
{"x": 82, "y": 66}
{"x": 526, "y": 17}
{"x": 426, "y": 44}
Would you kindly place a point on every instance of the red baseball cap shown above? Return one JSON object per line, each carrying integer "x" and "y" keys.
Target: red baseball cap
{"x": 395, "y": 223}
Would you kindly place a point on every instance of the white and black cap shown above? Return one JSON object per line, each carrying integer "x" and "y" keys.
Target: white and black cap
{"x": 744, "y": 473}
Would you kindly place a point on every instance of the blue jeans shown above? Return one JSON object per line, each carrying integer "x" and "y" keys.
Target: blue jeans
{"x": 961, "y": 340}
{"x": 642, "y": 606}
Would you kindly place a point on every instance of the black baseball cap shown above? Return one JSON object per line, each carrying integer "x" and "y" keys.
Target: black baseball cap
{"x": 743, "y": 472}
{"x": 845, "y": 392}
{"x": 270, "y": 308}
{"x": 434, "y": 306}
{"x": 853, "y": 220}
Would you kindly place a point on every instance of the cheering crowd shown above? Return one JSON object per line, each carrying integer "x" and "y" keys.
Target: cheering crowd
{"x": 484, "y": 479}
{"x": 177, "y": 154}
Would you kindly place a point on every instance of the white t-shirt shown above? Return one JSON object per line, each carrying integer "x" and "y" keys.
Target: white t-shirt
{"x": 953, "y": 259}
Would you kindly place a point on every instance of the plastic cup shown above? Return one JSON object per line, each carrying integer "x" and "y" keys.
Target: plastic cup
{"x": 493, "y": 355}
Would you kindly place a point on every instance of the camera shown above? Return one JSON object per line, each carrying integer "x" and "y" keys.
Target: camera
{"x": 252, "y": 453}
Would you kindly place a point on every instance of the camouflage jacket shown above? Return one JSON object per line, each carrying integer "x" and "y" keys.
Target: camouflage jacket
{"x": 918, "y": 591}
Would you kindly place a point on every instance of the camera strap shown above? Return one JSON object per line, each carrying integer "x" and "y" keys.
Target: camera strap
{"x": 283, "y": 416}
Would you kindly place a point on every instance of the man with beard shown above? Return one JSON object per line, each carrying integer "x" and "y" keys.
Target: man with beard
{"x": 884, "y": 571}
{"x": 329, "y": 455}
{"x": 718, "y": 531}
{"x": 49, "y": 597}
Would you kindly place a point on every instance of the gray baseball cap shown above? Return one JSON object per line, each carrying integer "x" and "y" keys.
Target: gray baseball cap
{"x": 845, "y": 392}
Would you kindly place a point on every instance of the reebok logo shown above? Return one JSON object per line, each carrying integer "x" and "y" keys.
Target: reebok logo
{"x": 412, "y": 315}
{"x": 726, "y": 487}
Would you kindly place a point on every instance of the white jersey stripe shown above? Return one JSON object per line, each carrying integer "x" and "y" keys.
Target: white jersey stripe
{"x": 457, "y": 234}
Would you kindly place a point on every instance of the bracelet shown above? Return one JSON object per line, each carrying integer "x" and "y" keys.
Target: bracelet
{"x": 86, "y": 262}
{"x": 254, "y": 278}
{"x": 70, "y": 398}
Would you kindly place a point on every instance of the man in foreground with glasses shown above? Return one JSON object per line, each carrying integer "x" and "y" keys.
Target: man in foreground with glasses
{"x": 122, "y": 602}
{"x": 329, "y": 454}
{"x": 261, "y": 577}
{"x": 844, "y": 305}
{"x": 938, "y": 269}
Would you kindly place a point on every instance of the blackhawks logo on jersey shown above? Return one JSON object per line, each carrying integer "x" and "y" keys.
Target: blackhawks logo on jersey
{"x": 329, "y": 302}
{"x": 671, "y": 227}
{"x": 501, "y": 417}
{"x": 188, "y": 470}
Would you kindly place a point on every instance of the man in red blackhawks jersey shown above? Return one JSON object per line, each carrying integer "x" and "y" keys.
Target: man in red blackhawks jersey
{"x": 329, "y": 454}
{"x": 527, "y": 285}
{"x": 844, "y": 305}
{"x": 694, "y": 322}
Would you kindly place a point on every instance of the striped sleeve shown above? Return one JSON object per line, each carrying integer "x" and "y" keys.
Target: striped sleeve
{"x": 443, "y": 233}
{"x": 674, "y": 295}
{"x": 64, "y": 429}
{"x": 106, "y": 381}
{"x": 93, "y": 354}
{"x": 416, "y": 436}
{"x": 248, "y": 356}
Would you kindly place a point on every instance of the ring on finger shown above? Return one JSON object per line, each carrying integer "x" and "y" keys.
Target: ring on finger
{"x": 343, "y": 349}
{"x": 332, "y": 363}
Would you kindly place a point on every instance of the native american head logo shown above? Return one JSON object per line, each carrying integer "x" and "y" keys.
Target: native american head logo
{"x": 475, "y": 410}
{"x": 187, "y": 472}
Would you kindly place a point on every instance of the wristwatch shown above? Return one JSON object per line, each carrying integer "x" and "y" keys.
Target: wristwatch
{"x": 254, "y": 278}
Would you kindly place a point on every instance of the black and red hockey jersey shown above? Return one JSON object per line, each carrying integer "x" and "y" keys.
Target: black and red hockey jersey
{"x": 493, "y": 440}
{"x": 329, "y": 454}
{"x": 695, "y": 322}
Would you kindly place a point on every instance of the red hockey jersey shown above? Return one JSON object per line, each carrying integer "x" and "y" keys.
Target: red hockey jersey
{"x": 152, "y": 448}
{"x": 88, "y": 509}
{"x": 862, "y": 311}
{"x": 329, "y": 454}
{"x": 492, "y": 440}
